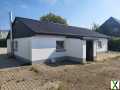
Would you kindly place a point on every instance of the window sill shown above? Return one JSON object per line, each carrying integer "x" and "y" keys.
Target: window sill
{"x": 60, "y": 50}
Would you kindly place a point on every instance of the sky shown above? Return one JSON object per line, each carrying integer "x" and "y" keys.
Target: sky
{"x": 81, "y": 13}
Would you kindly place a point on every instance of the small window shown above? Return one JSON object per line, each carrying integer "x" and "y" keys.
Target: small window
{"x": 99, "y": 44}
{"x": 15, "y": 46}
{"x": 60, "y": 46}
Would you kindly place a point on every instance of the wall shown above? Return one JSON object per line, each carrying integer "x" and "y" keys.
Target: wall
{"x": 95, "y": 48}
{"x": 104, "y": 45}
{"x": 76, "y": 48}
{"x": 24, "y": 48}
{"x": 44, "y": 47}
{"x": 8, "y": 46}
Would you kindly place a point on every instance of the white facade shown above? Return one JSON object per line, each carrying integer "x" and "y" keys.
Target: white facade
{"x": 8, "y": 46}
{"x": 104, "y": 43}
{"x": 76, "y": 48}
{"x": 24, "y": 48}
{"x": 44, "y": 47}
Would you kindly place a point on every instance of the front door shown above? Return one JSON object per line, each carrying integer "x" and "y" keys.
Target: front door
{"x": 89, "y": 50}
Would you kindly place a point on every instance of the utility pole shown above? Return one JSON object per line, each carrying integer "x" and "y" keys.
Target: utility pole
{"x": 11, "y": 35}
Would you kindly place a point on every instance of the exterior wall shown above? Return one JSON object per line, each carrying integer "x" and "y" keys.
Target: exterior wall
{"x": 24, "y": 48}
{"x": 44, "y": 47}
{"x": 104, "y": 45}
{"x": 76, "y": 48}
{"x": 95, "y": 48}
{"x": 8, "y": 46}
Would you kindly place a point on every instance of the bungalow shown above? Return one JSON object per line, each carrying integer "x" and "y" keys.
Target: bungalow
{"x": 36, "y": 41}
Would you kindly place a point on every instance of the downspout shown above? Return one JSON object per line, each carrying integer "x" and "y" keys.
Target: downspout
{"x": 11, "y": 35}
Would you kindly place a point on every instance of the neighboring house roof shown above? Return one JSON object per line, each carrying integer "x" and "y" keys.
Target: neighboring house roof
{"x": 110, "y": 27}
{"x": 23, "y": 27}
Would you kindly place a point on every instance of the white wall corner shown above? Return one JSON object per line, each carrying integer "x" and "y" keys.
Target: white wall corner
{"x": 84, "y": 49}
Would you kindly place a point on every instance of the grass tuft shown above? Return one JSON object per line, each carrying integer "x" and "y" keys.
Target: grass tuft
{"x": 34, "y": 70}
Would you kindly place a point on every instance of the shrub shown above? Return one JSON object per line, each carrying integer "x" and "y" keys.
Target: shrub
{"x": 3, "y": 43}
{"x": 114, "y": 44}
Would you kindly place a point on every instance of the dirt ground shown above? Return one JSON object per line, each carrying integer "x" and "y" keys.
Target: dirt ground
{"x": 107, "y": 55}
{"x": 72, "y": 76}
{"x": 91, "y": 76}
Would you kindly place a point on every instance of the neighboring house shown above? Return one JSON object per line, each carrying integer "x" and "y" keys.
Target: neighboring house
{"x": 36, "y": 41}
{"x": 111, "y": 27}
{"x": 3, "y": 34}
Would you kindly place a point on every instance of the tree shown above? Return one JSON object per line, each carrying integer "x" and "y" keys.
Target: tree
{"x": 53, "y": 18}
{"x": 95, "y": 27}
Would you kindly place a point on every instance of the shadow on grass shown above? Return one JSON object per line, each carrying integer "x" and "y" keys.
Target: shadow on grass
{"x": 10, "y": 62}
{"x": 62, "y": 63}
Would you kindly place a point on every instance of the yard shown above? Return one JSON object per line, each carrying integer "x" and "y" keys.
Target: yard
{"x": 91, "y": 76}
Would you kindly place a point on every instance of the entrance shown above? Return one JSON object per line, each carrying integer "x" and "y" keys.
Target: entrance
{"x": 89, "y": 50}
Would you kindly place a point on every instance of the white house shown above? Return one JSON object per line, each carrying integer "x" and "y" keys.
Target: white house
{"x": 36, "y": 41}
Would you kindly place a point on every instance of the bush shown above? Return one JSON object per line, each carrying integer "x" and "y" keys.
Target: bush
{"x": 114, "y": 44}
{"x": 3, "y": 43}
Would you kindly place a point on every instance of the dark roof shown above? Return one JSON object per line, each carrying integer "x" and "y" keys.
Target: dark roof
{"x": 113, "y": 18}
{"x": 110, "y": 27}
{"x": 23, "y": 27}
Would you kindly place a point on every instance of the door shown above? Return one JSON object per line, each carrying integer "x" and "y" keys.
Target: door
{"x": 89, "y": 50}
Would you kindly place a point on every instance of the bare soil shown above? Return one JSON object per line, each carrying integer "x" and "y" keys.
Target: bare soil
{"x": 60, "y": 76}
{"x": 107, "y": 55}
{"x": 92, "y": 76}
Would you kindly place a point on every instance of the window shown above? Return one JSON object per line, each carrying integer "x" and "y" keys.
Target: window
{"x": 99, "y": 44}
{"x": 15, "y": 46}
{"x": 60, "y": 46}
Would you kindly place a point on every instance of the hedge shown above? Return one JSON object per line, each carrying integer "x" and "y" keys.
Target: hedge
{"x": 3, "y": 43}
{"x": 114, "y": 44}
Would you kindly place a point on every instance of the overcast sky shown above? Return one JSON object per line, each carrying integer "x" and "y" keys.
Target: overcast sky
{"x": 81, "y": 13}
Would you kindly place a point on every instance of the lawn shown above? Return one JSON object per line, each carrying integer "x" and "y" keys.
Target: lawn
{"x": 92, "y": 76}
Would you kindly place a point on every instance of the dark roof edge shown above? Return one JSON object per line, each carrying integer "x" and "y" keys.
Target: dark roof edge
{"x": 67, "y": 36}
